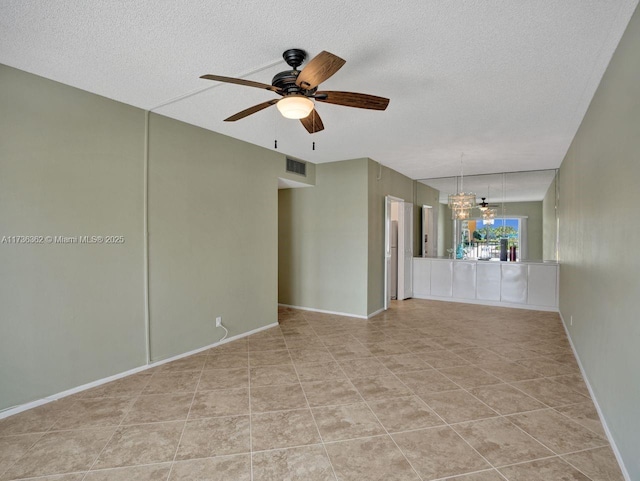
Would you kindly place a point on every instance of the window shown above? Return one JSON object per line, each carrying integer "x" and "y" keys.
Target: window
{"x": 482, "y": 240}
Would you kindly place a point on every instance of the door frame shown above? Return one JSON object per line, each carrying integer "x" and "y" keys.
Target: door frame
{"x": 405, "y": 251}
{"x": 388, "y": 200}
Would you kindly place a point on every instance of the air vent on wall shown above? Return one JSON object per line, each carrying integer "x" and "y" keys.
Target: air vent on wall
{"x": 296, "y": 167}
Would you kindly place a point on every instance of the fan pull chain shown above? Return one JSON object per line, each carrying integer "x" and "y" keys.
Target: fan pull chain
{"x": 275, "y": 131}
{"x": 313, "y": 120}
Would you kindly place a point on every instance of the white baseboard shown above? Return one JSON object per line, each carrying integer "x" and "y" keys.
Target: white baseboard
{"x": 375, "y": 313}
{"x": 489, "y": 303}
{"x": 614, "y": 448}
{"x": 322, "y": 311}
{"x": 54, "y": 397}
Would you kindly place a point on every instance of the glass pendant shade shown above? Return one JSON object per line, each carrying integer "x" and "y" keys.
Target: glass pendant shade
{"x": 460, "y": 214}
{"x": 461, "y": 204}
{"x": 295, "y": 106}
{"x": 489, "y": 215}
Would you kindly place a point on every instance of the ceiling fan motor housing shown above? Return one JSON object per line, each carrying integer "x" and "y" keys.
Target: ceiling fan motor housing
{"x": 294, "y": 57}
{"x": 286, "y": 81}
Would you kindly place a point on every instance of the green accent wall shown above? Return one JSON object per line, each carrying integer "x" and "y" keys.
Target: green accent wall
{"x": 213, "y": 236}
{"x": 382, "y": 181}
{"x": 322, "y": 247}
{"x": 331, "y": 251}
{"x": 600, "y": 270}
{"x": 72, "y": 164}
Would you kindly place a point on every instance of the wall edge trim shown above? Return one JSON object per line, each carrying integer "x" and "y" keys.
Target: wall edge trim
{"x": 323, "y": 311}
{"x": 55, "y": 397}
{"x": 612, "y": 442}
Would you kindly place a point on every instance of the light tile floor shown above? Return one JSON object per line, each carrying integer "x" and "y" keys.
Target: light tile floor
{"x": 425, "y": 391}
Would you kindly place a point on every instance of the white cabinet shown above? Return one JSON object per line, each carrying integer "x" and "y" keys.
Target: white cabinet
{"x": 421, "y": 277}
{"x": 464, "y": 280}
{"x": 542, "y": 285}
{"x": 513, "y": 286}
{"x": 488, "y": 281}
{"x": 441, "y": 278}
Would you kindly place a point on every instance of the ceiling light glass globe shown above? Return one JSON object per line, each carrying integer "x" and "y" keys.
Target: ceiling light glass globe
{"x": 295, "y": 106}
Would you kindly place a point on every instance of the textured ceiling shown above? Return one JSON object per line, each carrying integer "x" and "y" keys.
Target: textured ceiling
{"x": 507, "y": 83}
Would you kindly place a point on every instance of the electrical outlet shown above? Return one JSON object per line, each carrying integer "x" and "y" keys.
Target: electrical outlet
{"x": 218, "y": 321}
{"x": 571, "y": 321}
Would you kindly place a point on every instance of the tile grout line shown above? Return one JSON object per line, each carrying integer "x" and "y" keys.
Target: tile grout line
{"x": 575, "y": 467}
{"x": 250, "y": 410}
{"x": 184, "y": 426}
{"x": 540, "y": 442}
{"x": 436, "y": 413}
{"x": 377, "y": 418}
{"x": 503, "y": 417}
{"x": 398, "y": 341}
{"x": 493, "y": 470}
{"x": 544, "y": 459}
{"x": 498, "y": 415}
{"x": 324, "y": 447}
{"x": 50, "y": 430}
{"x": 114, "y": 431}
{"x": 8, "y": 468}
{"x": 42, "y": 435}
{"x": 452, "y": 429}
{"x": 465, "y": 390}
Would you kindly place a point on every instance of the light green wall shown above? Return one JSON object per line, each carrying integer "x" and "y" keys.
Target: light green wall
{"x": 549, "y": 224}
{"x": 70, "y": 165}
{"x": 213, "y": 236}
{"x": 322, "y": 247}
{"x": 382, "y": 181}
{"x": 600, "y": 270}
{"x": 331, "y": 251}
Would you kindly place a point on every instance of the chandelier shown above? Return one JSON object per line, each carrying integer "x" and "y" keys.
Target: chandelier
{"x": 461, "y": 203}
{"x": 488, "y": 215}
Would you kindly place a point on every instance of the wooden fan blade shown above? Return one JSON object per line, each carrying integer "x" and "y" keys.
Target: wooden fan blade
{"x": 319, "y": 69}
{"x": 251, "y": 110}
{"x": 312, "y": 122}
{"x": 352, "y": 99}
{"x": 240, "y": 81}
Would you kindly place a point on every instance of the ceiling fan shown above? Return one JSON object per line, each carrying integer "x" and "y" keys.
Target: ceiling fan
{"x": 298, "y": 87}
{"x": 484, "y": 205}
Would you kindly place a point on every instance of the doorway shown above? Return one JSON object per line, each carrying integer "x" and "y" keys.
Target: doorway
{"x": 398, "y": 251}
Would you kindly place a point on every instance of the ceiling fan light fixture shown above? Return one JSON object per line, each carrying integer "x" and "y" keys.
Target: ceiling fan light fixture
{"x": 489, "y": 215}
{"x": 295, "y": 106}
